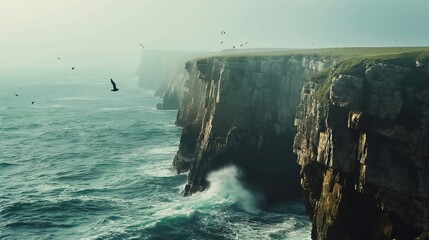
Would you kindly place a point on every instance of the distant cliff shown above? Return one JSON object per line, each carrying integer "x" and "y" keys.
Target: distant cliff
{"x": 358, "y": 120}
{"x": 172, "y": 95}
{"x": 158, "y": 68}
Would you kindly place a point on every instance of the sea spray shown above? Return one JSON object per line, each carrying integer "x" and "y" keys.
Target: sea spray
{"x": 225, "y": 190}
{"x": 225, "y": 182}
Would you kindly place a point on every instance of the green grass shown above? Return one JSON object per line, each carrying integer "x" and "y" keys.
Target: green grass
{"x": 357, "y": 65}
{"x": 324, "y": 77}
{"x": 337, "y": 53}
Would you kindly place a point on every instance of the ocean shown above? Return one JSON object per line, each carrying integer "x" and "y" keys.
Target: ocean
{"x": 83, "y": 162}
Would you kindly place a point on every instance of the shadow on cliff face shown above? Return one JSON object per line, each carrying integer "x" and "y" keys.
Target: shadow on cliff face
{"x": 270, "y": 169}
{"x": 278, "y": 182}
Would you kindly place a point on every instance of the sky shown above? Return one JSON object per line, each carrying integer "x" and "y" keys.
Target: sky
{"x": 33, "y": 33}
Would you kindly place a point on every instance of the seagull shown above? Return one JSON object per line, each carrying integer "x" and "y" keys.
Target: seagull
{"x": 141, "y": 45}
{"x": 114, "y": 86}
{"x": 16, "y": 94}
{"x": 32, "y": 102}
{"x": 73, "y": 68}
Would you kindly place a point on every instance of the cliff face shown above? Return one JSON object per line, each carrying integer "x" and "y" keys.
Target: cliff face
{"x": 241, "y": 111}
{"x": 363, "y": 147}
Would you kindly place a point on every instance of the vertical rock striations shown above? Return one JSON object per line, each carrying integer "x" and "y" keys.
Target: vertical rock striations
{"x": 363, "y": 147}
{"x": 240, "y": 110}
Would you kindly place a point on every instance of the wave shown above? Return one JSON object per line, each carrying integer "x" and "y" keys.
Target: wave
{"x": 45, "y": 207}
{"x": 163, "y": 150}
{"x": 225, "y": 191}
{"x": 5, "y": 164}
{"x": 225, "y": 182}
{"x": 155, "y": 170}
{"x": 36, "y": 224}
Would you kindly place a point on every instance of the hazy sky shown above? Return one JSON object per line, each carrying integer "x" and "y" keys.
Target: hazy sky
{"x": 35, "y": 32}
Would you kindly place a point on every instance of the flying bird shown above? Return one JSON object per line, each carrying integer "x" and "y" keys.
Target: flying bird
{"x": 221, "y": 42}
{"x": 241, "y": 45}
{"x": 114, "y": 86}
{"x": 59, "y": 58}
{"x": 73, "y": 68}
{"x": 32, "y": 102}
{"x": 223, "y": 32}
{"x": 246, "y": 43}
{"x": 233, "y": 47}
{"x": 141, "y": 45}
{"x": 16, "y": 94}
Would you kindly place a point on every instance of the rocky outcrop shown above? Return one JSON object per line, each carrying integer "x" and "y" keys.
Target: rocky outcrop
{"x": 241, "y": 110}
{"x": 363, "y": 147}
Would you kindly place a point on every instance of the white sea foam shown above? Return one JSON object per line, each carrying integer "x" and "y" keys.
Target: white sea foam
{"x": 43, "y": 188}
{"x": 163, "y": 150}
{"x": 225, "y": 189}
{"x": 280, "y": 230}
{"x": 156, "y": 170}
{"x": 107, "y": 231}
{"x": 225, "y": 182}
{"x": 175, "y": 211}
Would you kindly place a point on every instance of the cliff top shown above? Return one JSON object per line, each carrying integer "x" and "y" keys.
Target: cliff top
{"x": 337, "y": 53}
{"x": 349, "y": 61}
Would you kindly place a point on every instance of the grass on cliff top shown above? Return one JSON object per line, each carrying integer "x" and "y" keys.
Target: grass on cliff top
{"x": 336, "y": 53}
{"x": 357, "y": 65}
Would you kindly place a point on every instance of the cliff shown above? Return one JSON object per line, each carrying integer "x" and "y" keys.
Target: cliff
{"x": 362, "y": 145}
{"x": 357, "y": 120}
{"x": 157, "y": 68}
{"x": 240, "y": 110}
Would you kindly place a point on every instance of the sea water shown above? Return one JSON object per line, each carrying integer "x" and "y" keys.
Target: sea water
{"x": 83, "y": 162}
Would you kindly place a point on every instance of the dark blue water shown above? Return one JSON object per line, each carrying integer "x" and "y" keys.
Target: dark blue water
{"x": 87, "y": 163}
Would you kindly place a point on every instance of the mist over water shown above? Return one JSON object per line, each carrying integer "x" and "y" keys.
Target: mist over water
{"x": 86, "y": 163}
